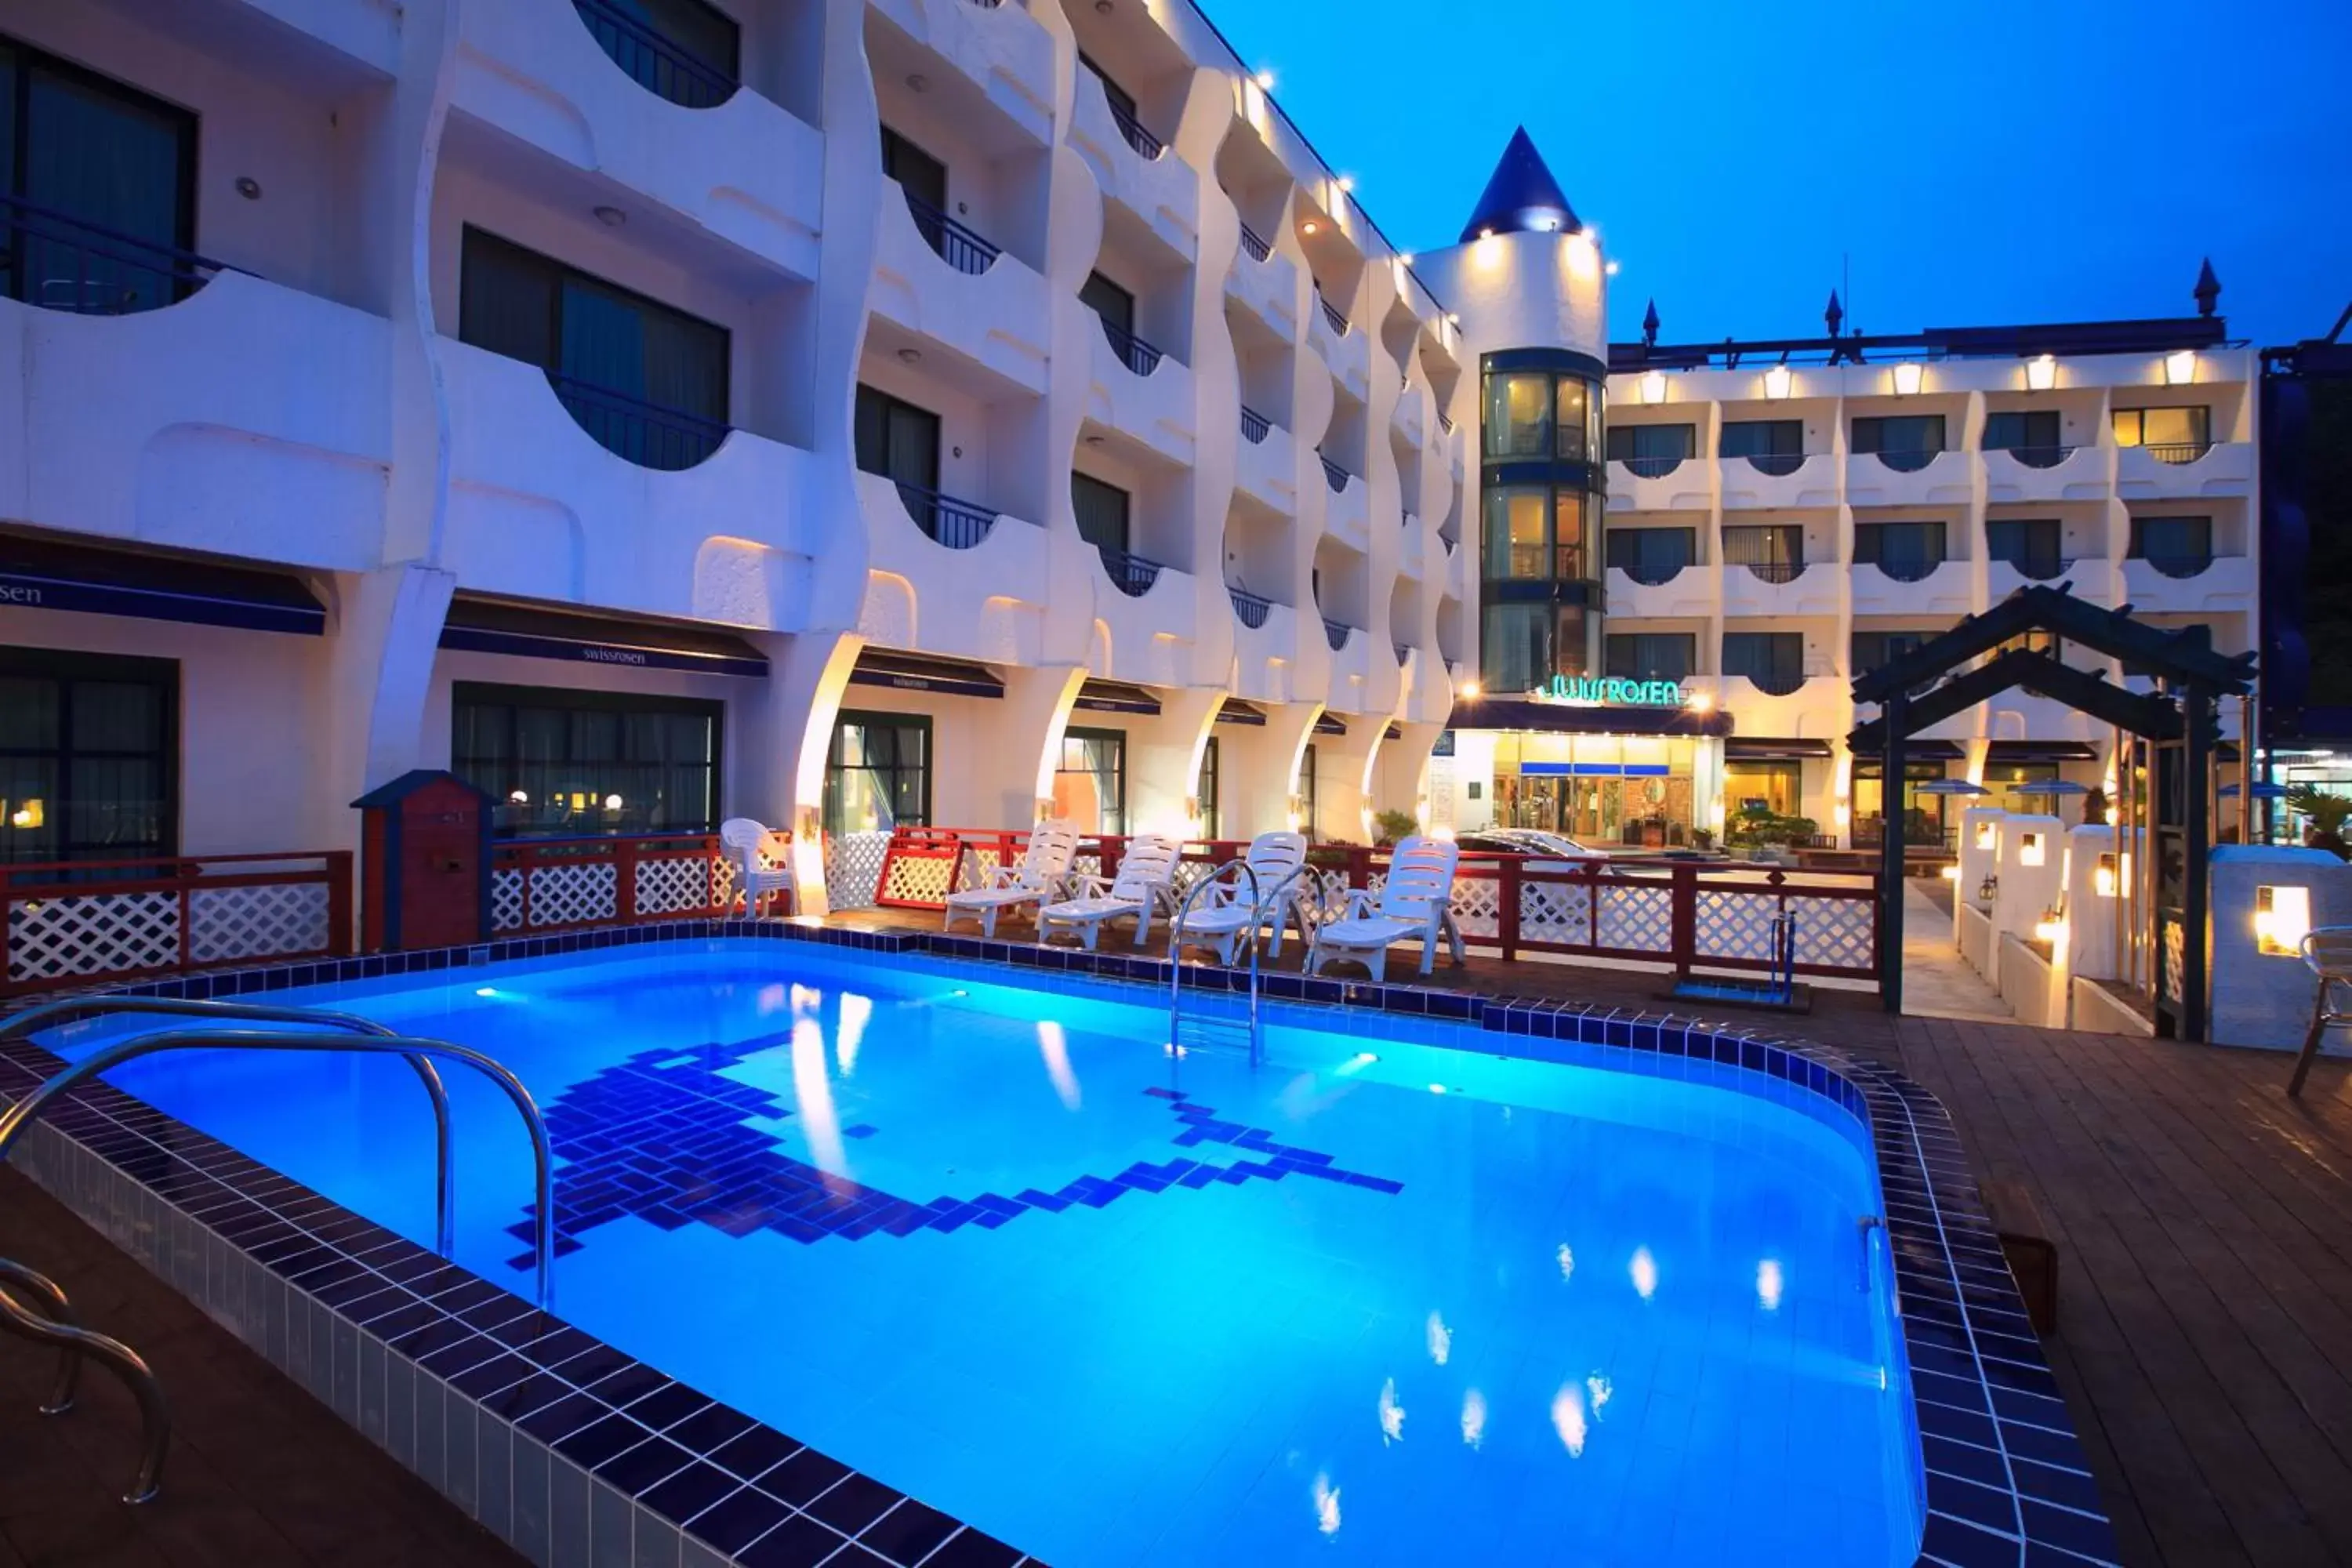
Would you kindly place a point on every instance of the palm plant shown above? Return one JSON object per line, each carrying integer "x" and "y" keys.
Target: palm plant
{"x": 2324, "y": 814}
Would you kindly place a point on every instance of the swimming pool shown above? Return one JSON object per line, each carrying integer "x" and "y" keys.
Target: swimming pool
{"x": 1375, "y": 1301}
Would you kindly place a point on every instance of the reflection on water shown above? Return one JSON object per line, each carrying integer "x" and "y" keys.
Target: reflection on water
{"x": 1055, "y": 1049}
{"x": 1326, "y": 1505}
{"x": 1391, "y": 1414}
{"x": 854, "y": 1011}
{"x": 1768, "y": 1284}
{"x": 1567, "y": 1262}
{"x": 1474, "y": 1417}
{"x": 1568, "y": 1418}
{"x": 1644, "y": 1272}
{"x": 1441, "y": 1339}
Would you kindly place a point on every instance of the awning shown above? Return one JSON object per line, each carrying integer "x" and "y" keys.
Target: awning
{"x": 486, "y": 625}
{"x": 1914, "y": 751}
{"x": 1759, "y": 749}
{"x": 2041, "y": 752}
{"x": 922, "y": 672}
{"x": 42, "y": 575}
{"x": 1567, "y": 719}
{"x": 1236, "y": 711}
{"x": 1115, "y": 697}
{"x": 1327, "y": 724}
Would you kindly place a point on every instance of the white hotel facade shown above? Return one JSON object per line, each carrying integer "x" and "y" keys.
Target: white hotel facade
{"x": 841, "y": 411}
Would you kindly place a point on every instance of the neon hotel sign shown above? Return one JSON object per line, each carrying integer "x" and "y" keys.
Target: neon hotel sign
{"x": 1595, "y": 692}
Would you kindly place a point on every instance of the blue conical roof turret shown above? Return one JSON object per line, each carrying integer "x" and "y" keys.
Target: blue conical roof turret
{"x": 1522, "y": 196}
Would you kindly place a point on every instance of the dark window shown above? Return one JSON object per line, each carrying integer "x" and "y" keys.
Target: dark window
{"x": 1102, "y": 511}
{"x": 2029, "y": 544}
{"x": 2030, "y": 433}
{"x": 1775, "y": 661}
{"x": 1204, "y": 792}
{"x": 1871, "y": 649}
{"x": 1650, "y": 450}
{"x": 1091, "y": 780}
{"x": 2170, "y": 434}
{"x": 1904, "y": 441}
{"x": 98, "y": 180}
{"x": 1772, "y": 446}
{"x": 1649, "y": 656}
{"x": 2176, "y": 546}
{"x": 1121, "y": 101}
{"x": 647, "y": 381}
{"x": 921, "y": 176}
{"x": 1114, "y": 304}
{"x": 877, "y": 773}
{"x": 1652, "y": 555}
{"x": 1906, "y": 552}
{"x": 89, "y": 755}
{"x": 565, "y": 763}
{"x": 686, "y": 51}
{"x": 1522, "y": 646}
{"x": 897, "y": 439}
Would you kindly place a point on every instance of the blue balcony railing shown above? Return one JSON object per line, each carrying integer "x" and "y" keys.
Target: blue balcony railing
{"x": 2176, "y": 452}
{"x": 1254, "y": 243}
{"x": 1254, "y": 424}
{"x": 1138, "y": 355}
{"x": 1334, "y": 475}
{"x": 2038, "y": 565}
{"x": 657, "y": 62}
{"x": 1650, "y": 468}
{"x": 1911, "y": 566}
{"x": 1130, "y": 574}
{"x": 1142, "y": 141}
{"x": 957, "y": 524}
{"x": 2037, "y": 456}
{"x": 1332, "y": 313}
{"x": 1909, "y": 459}
{"x": 1337, "y": 632}
{"x": 650, "y": 434}
{"x": 58, "y": 262}
{"x": 2179, "y": 563}
{"x": 1251, "y": 609}
{"x": 957, "y": 245}
{"x": 1779, "y": 464}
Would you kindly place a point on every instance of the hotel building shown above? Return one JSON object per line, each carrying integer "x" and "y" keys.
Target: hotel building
{"x": 859, "y": 413}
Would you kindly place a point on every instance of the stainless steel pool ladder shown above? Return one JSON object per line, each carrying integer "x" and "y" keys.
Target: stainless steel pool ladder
{"x": 360, "y": 1036}
{"x": 1205, "y": 1027}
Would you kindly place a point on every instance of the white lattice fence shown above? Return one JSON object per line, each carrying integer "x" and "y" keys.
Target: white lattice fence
{"x": 1840, "y": 934}
{"x": 683, "y": 884}
{"x": 1556, "y": 912}
{"x": 925, "y": 878}
{"x": 852, "y": 868}
{"x": 93, "y": 933}
{"x": 562, "y": 894}
{"x": 506, "y": 899}
{"x": 1728, "y": 924}
{"x": 1477, "y": 906}
{"x": 229, "y": 923}
{"x": 1639, "y": 919}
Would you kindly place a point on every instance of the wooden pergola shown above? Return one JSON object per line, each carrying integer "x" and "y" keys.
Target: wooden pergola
{"x": 1940, "y": 679}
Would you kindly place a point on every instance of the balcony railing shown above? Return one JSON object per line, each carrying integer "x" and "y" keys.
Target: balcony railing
{"x": 2176, "y": 452}
{"x": 1334, "y": 475}
{"x": 1650, "y": 468}
{"x": 2037, "y": 456}
{"x": 657, "y": 63}
{"x": 1774, "y": 571}
{"x": 60, "y": 263}
{"x": 2037, "y": 565}
{"x": 1254, "y": 243}
{"x": 649, "y": 435}
{"x": 1909, "y": 459}
{"x": 1138, "y": 355}
{"x": 1402, "y": 653}
{"x": 1779, "y": 464}
{"x": 1908, "y": 568}
{"x": 1653, "y": 572}
{"x": 1774, "y": 677}
{"x": 1446, "y": 421}
{"x": 1248, "y": 607}
{"x": 2179, "y": 563}
{"x": 1130, "y": 574}
{"x": 1142, "y": 141}
{"x": 1254, "y": 424}
{"x": 1337, "y": 632}
{"x": 957, "y": 245}
{"x": 958, "y": 524}
{"x": 1332, "y": 313}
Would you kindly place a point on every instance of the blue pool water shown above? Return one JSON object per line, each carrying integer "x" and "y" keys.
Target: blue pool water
{"x": 1374, "y": 1301}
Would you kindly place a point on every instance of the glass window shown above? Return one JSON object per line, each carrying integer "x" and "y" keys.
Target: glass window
{"x": 2176, "y": 546}
{"x": 2032, "y": 430}
{"x": 878, "y": 772}
{"x": 1518, "y": 414}
{"x": 1576, "y": 419}
{"x": 1091, "y": 780}
{"x": 1571, "y": 642}
{"x": 1773, "y": 551}
{"x": 1780, "y": 443}
{"x": 1922, "y": 815}
{"x": 918, "y": 173}
{"x": 1775, "y": 661}
{"x": 565, "y": 763}
{"x": 2177, "y": 433}
{"x": 897, "y": 439}
{"x": 89, "y": 755}
{"x": 1107, "y": 300}
{"x": 2029, "y": 544}
{"x": 1906, "y": 552}
{"x": 1102, "y": 511}
{"x": 1204, "y": 791}
{"x": 2004, "y": 779}
{"x": 1651, "y": 450}
{"x": 1307, "y": 791}
{"x": 1905, "y": 442}
{"x": 1517, "y": 539}
{"x": 1871, "y": 649}
{"x": 684, "y": 50}
{"x": 1649, "y": 656}
{"x": 1515, "y": 646}
{"x": 1652, "y": 555}
{"x": 1774, "y": 786}
{"x": 1568, "y": 534}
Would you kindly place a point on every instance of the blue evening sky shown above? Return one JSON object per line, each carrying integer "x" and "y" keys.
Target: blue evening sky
{"x": 1976, "y": 163}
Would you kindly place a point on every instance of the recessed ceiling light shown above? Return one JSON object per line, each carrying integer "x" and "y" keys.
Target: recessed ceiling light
{"x": 1308, "y": 227}
{"x": 917, "y": 80}
{"x": 611, "y": 217}
{"x": 1094, "y": 440}
{"x": 910, "y": 355}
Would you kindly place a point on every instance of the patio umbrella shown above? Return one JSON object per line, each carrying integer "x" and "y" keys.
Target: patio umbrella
{"x": 2262, "y": 791}
{"x": 2050, "y": 786}
{"x": 1952, "y": 787}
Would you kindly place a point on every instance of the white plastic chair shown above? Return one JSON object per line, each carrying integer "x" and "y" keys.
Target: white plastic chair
{"x": 744, "y": 838}
{"x": 1414, "y": 900}
{"x": 1146, "y": 881}
{"x": 1044, "y": 867}
{"x": 1228, "y": 910}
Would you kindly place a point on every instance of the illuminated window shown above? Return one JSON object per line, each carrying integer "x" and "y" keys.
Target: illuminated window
{"x": 554, "y": 755}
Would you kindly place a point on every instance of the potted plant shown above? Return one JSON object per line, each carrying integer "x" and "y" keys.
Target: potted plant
{"x": 2323, "y": 816}
{"x": 1391, "y": 826}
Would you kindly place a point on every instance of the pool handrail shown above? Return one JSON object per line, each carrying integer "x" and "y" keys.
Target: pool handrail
{"x": 1175, "y": 944}
{"x": 74, "y": 1343}
{"x": 54, "y": 1013}
{"x": 29, "y": 1109}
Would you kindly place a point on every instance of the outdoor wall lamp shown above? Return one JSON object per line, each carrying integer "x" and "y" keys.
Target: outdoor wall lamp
{"x": 2103, "y": 877}
{"x": 1984, "y": 835}
{"x": 2040, "y": 373}
{"x": 1777, "y": 381}
{"x": 2180, "y": 367}
{"x": 1654, "y": 386}
{"x": 1906, "y": 377}
{"x": 1987, "y": 888}
{"x": 2028, "y": 850}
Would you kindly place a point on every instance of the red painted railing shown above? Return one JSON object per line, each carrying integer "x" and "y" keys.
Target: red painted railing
{"x": 80, "y": 922}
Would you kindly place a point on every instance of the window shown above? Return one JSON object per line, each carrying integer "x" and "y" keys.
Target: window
{"x": 1871, "y": 649}
{"x": 897, "y": 439}
{"x": 1650, "y": 450}
{"x": 877, "y": 773}
{"x": 84, "y": 153}
{"x": 2029, "y": 544}
{"x": 1773, "y": 551}
{"x": 684, "y": 50}
{"x": 2169, "y": 435}
{"x": 2004, "y": 779}
{"x": 89, "y": 756}
{"x": 918, "y": 173}
{"x": 1091, "y": 781}
{"x": 1307, "y": 791}
{"x": 1533, "y": 533}
{"x": 1922, "y": 815}
{"x": 1906, "y": 552}
{"x": 1777, "y": 787}
{"x": 1904, "y": 441}
{"x": 1775, "y": 661}
{"x": 647, "y": 381}
{"x": 1537, "y": 414}
{"x": 1107, "y": 300}
{"x": 1770, "y": 445}
{"x": 1102, "y": 511}
{"x": 566, "y": 763}
{"x": 1649, "y": 656}
{"x": 1204, "y": 792}
{"x": 2176, "y": 546}
{"x": 1576, "y": 419}
{"x": 2030, "y": 435}
{"x": 1652, "y": 555}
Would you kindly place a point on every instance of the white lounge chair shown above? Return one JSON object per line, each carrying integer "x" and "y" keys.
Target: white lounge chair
{"x": 1044, "y": 867}
{"x": 1232, "y": 907}
{"x": 1415, "y": 901}
{"x": 1146, "y": 881}
{"x": 744, "y": 838}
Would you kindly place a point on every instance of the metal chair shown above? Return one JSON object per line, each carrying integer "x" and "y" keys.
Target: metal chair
{"x": 2328, "y": 951}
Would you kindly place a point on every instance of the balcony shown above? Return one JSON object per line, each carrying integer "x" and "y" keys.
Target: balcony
{"x": 1348, "y": 353}
{"x": 1909, "y": 478}
{"x": 539, "y": 509}
{"x": 937, "y": 278}
{"x": 649, "y": 435}
{"x": 2004, "y": 577}
{"x": 1156, "y": 187}
{"x": 743, "y": 169}
{"x": 1266, "y": 649}
{"x": 1690, "y": 592}
{"x": 2184, "y": 471}
{"x": 1780, "y": 588}
{"x": 1248, "y": 608}
{"x": 1152, "y": 611}
{"x": 1412, "y": 546}
{"x": 1660, "y": 484}
{"x": 1267, "y": 287}
{"x": 1409, "y": 416}
{"x": 661, "y": 65}
{"x": 1349, "y": 514}
{"x": 1003, "y": 50}
{"x": 2215, "y": 583}
{"x": 1807, "y": 704}
{"x": 1337, "y": 632}
{"x": 1780, "y": 481}
{"x": 1267, "y": 466}
{"x": 1140, "y": 392}
{"x": 1911, "y": 587}
{"x": 957, "y": 574}
{"x": 2045, "y": 474}
{"x": 946, "y": 520}
{"x": 1132, "y": 575}
{"x": 247, "y": 418}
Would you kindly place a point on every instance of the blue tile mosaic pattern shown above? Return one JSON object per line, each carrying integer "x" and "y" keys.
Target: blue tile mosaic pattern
{"x": 666, "y": 1136}
{"x": 544, "y": 1433}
